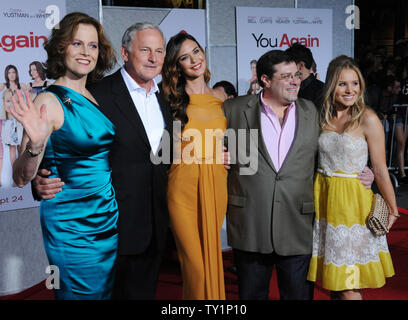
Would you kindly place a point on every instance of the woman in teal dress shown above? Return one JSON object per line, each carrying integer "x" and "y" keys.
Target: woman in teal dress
{"x": 66, "y": 131}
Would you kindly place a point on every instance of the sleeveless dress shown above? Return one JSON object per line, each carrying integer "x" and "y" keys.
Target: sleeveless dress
{"x": 346, "y": 255}
{"x": 35, "y": 90}
{"x": 79, "y": 224}
{"x": 197, "y": 198}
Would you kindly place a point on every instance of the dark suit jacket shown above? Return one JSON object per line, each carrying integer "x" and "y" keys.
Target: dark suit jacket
{"x": 140, "y": 185}
{"x": 312, "y": 89}
{"x": 271, "y": 210}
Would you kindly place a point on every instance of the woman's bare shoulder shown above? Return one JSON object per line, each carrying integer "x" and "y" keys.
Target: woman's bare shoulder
{"x": 46, "y": 98}
{"x": 55, "y": 112}
{"x": 369, "y": 117}
{"x": 370, "y": 121}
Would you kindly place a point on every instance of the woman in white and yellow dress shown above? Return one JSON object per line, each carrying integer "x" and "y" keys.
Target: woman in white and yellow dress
{"x": 346, "y": 256}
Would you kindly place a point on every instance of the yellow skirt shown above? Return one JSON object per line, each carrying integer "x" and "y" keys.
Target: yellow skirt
{"x": 346, "y": 255}
{"x": 197, "y": 199}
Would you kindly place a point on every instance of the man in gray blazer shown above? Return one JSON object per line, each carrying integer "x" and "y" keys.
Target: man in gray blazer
{"x": 270, "y": 205}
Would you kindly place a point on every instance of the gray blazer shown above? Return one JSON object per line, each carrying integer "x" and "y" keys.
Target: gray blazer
{"x": 271, "y": 210}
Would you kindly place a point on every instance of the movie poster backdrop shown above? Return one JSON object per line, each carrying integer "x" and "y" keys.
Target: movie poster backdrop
{"x": 262, "y": 29}
{"x": 24, "y": 27}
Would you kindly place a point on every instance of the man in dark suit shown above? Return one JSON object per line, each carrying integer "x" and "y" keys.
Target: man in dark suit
{"x": 310, "y": 87}
{"x": 131, "y": 99}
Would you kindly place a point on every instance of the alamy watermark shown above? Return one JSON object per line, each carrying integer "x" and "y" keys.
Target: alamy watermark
{"x": 353, "y": 20}
{"x": 194, "y": 146}
{"x": 53, "y": 18}
{"x": 353, "y": 278}
{"x": 53, "y": 280}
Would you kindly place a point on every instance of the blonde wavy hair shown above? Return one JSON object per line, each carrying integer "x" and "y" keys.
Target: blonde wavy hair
{"x": 328, "y": 111}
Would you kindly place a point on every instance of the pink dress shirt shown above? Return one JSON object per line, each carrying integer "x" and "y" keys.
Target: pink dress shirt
{"x": 278, "y": 139}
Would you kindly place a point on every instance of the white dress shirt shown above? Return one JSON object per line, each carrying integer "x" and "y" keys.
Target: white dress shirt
{"x": 148, "y": 108}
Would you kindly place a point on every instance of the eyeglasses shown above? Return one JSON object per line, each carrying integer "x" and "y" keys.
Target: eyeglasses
{"x": 287, "y": 76}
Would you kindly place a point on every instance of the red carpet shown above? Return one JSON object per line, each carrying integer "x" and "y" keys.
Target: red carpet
{"x": 170, "y": 282}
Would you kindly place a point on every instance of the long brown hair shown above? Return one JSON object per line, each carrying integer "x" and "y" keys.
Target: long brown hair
{"x": 39, "y": 67}
{"x": 173, "y": 79}
{"x": 62, "y": 36}
{"x": 6, "y": 71}
{"x": 336, "y": 66}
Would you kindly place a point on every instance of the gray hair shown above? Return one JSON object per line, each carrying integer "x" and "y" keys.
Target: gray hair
{"x": 131, "y": 31}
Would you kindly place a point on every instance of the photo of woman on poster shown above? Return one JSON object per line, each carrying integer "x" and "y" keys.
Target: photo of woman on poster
{"x": 2, "y": 117}
{"x": 12, "y": 130}
{"x": 252, "y": 65}
{"x": 254, "y": 87}
{"x": 37, "y": 74}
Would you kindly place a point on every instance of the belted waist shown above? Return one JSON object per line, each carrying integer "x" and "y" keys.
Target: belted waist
{"x": 330, "y": 173}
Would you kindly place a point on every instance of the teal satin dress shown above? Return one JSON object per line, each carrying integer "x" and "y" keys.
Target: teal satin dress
{"x": 79, "y": 224}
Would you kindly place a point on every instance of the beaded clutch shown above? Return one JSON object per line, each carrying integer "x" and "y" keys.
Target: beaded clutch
{"x": 378, "y": 219}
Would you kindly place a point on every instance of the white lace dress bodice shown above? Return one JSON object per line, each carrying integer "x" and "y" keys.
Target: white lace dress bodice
{"x": 342, "y": 152}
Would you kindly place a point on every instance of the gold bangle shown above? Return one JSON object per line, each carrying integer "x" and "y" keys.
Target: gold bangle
{"x": 32, "y": 154}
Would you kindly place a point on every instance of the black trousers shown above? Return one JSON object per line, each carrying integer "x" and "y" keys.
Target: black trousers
{"x": 255, "y": 271}
{"x": 136, "y": 276}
